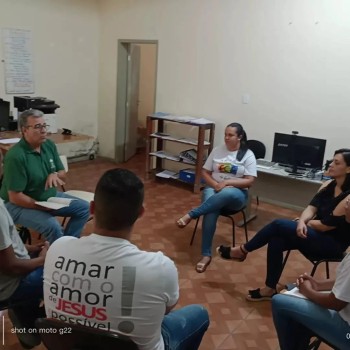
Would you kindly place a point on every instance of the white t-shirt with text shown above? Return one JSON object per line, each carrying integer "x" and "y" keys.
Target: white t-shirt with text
{"x": 108, "y": 283}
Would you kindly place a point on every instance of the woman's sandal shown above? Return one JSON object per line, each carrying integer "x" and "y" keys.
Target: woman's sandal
{"x": 201, "y": 266}
{"x": 255, "y": 295}
{"x": 181, "y": 223}
{"x": 224, "y": 253}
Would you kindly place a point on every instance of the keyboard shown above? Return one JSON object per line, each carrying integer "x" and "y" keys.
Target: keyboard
{"x": 264, "y": 164}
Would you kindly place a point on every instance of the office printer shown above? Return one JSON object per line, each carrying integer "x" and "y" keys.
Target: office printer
{"x": 43, "y": 104}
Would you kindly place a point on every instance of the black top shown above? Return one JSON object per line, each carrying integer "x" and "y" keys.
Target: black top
{"x": 325, "y": 202}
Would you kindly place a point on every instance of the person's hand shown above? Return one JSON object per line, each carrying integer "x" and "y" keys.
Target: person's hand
{"x": 44, "y": 248}
{"x": 304, "y": 284}
{"x": 301, "y": 229}
{"x": 312, "y": 280}
{"x": 34, "y": 248}
{"x": 53, "y": 181}
{"x": 219, "y": 186}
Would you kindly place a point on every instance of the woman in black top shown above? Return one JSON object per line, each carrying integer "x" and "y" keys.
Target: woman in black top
{"x": 321, "y": 230}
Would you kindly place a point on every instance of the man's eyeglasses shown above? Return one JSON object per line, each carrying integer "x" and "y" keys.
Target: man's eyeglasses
{"x": 38, "y": 126}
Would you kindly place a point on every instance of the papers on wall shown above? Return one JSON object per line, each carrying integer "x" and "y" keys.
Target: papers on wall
{"x": 17, "y": 45}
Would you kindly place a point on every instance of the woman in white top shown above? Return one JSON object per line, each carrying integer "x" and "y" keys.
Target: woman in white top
{"x": 228, "y": 172}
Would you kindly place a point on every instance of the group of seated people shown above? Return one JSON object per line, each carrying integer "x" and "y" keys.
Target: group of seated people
{"x": 85, "y": 280}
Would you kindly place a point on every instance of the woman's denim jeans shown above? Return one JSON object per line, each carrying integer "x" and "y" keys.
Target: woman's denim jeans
{"x": 229, "y": 198}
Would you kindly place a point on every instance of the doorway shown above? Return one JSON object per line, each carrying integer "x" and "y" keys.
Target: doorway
{"x": 136, "y": 94}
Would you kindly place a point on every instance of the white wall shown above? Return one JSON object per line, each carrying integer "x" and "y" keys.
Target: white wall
{"x": 291, "y": 57}
{"x": 65, "y": 55}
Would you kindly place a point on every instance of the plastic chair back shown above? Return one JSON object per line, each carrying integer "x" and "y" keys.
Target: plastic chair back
{"x": 59, "y": 335}
{"x": 257, "y": 147}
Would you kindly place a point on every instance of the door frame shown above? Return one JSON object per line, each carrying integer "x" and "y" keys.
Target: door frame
{"x": 122, "y": 88}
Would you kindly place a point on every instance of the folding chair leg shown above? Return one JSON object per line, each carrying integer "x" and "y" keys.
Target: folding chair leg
{"x": 194, "y": 232}
{"x": 245, "y": 226}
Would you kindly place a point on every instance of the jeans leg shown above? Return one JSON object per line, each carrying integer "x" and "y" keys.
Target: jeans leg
{"x": 183, "y": 329}
{"x": 212, "y": 203}
{"x": 78, "y": 211}
{"x": 297, "y": 319}
{"x": 208, "y": 231}
{"x": 41, "y": 221}
{"x": 28, "y": 296}
{"x": 232, "y": 198}
{"x": 280, "y": 235}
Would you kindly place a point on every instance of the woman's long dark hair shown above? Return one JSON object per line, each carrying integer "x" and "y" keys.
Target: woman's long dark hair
{"x": 242, "y": 134}
{"x": 345, "y": 152}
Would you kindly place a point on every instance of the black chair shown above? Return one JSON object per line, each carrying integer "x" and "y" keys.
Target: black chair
{"x": 316, "y": 261}
{"x": 257, "y": 147}
{"x": 259, "y": 150}
{"x": 230, "y": 215}
{"x": 59, "y": 335}
{"x": 316, "y": 342}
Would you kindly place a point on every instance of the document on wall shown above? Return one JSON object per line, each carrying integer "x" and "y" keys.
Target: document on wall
{"x": 55, "y": 203}
{"x": 18, "y": 58}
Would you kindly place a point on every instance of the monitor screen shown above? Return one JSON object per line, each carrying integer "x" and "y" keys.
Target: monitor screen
{"x": 298, "y": 151}
{"x": 4, "y": 115}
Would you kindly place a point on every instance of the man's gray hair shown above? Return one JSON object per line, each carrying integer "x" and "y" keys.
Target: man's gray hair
{"x": 23, "y": 118}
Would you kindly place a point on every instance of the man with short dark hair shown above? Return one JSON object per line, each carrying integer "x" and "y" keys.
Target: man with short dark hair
{"x": 106, "y": 282}
{"x": 32, "y": 172}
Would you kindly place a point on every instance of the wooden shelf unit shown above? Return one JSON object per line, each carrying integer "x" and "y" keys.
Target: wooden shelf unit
{"x": 156, "y": 124}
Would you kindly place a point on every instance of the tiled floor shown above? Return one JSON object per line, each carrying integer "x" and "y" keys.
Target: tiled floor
{"x": 235, "y": 323}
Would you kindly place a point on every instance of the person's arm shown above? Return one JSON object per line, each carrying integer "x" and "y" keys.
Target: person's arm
{"x": 22, "y": 200}
{"x": 347, "y": 209}
{"x": 327, "y": 300}
{"x": 307, "y": 214}
{"x": 333, "y": 220}
{"x": 240, "y": 182}
{"x": 207, "y": 176}
{"x": 11, "y": 265}
{"x": 169, "y": 308}
{"x": 318, "y": 226}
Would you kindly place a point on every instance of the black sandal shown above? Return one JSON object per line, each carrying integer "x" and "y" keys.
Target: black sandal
{"x": 255, "y": 295}
{"x": 225, "y": 251}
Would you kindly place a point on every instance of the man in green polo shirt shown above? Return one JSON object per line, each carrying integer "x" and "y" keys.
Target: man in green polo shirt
{"x": 32, "y": 172}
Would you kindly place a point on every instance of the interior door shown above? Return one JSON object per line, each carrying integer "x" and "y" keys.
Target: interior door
{"x": 132, "y": 101}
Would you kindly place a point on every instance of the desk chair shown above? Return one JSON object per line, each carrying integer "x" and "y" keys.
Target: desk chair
{"x": 316, "y": 261}
{"x": 59, "y": 335}
{"x": 257, "y": 147}
{"x": 259, "y": 150}
{"x": 316, "y": 342}
{"x": 230, "y": 215}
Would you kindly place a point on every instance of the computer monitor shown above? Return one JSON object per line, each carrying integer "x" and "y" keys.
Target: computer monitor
{"x": 4, "y": 115}
{"x": 298, "y": 152}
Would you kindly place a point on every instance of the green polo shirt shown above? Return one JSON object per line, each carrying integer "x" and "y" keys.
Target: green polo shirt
{"x": 26, "y": 170}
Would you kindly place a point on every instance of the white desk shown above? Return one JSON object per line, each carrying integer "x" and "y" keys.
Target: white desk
{"x": 276, "y": 186}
